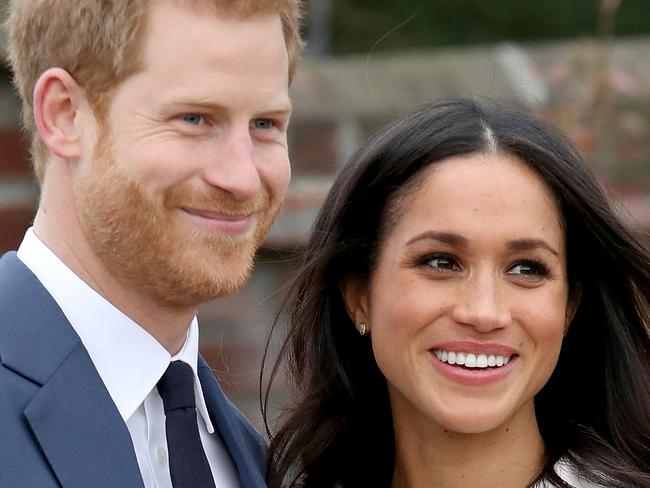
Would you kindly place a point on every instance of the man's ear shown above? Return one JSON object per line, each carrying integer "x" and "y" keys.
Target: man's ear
{"x": 355, "y": 296}
{"x": 57, "y": 99}
{"x": 575, "y": 296}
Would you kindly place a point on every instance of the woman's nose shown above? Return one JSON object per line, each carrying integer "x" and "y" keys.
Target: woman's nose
{"x": 481, "y": 304}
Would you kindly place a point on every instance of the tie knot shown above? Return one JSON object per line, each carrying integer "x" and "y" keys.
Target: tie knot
{"x": 176, "y": 387}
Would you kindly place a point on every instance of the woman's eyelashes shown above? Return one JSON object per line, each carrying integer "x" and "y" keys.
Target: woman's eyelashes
{"x": 530, "y": 269}
{"x": 441, "y": 262}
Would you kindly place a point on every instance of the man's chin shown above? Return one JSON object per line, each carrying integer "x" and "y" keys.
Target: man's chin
{"x": 207, "y": 279}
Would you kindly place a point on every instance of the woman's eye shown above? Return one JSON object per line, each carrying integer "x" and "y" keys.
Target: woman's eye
{"x": 193, "y": 119}
{"x": 263, "y": 124}
{"x": 442, "y": 261}
{"x": 529, "y": 268}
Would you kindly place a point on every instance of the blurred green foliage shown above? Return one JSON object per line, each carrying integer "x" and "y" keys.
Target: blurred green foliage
{"x": 360, "y": 24}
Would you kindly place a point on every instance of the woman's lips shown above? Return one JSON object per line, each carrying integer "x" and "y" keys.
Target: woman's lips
{"x": 477, "y": 347}
{"x": 471, "y": 363}
{"x": 219, "y": 222}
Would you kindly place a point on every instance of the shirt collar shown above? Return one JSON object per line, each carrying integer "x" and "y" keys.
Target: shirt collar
{"x": 128, "y": 359}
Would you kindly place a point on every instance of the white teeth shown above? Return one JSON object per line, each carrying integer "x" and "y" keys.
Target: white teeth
{"x": 481, "y": 361}
{"x": 471, "y": 360}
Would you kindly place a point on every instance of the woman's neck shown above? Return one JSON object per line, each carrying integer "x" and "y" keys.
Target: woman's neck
{"x": 508, "y": 457}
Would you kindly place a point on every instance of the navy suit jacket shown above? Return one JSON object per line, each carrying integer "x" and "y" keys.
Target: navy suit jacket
{"x": 59, "y": 426}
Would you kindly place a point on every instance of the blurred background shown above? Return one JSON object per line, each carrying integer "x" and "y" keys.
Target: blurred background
{"x": 583, "y": 65}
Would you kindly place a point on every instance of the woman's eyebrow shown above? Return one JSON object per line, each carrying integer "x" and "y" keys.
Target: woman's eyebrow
{"x": 447, "y": 237}
{"x": 453, "y": 239}
{"x": 530, "y": 244}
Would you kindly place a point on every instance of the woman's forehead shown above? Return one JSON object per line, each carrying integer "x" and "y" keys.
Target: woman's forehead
{"x": 478, "y": 194}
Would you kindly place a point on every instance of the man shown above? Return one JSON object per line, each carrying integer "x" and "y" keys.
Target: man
{"x": 159, "y": 141}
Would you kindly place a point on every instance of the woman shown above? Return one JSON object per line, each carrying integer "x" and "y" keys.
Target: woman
{"x": 470, "y": 312}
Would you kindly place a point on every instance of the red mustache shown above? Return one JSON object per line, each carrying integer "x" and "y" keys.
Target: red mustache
{"x": 216, "y": 201}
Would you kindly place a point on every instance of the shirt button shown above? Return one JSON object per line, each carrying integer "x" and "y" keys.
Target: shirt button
{"x": 161, "y": 454}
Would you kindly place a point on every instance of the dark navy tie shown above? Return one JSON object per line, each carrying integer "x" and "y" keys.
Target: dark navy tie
{"x": 188, "y": 465}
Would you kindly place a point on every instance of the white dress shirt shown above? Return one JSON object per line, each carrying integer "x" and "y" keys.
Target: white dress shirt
{"x": 130, "y": 362}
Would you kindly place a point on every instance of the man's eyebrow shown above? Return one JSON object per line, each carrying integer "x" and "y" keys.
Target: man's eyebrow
{"x": 192, "y": 101}
{"x": 530, "y": 244}
{"x": 282, "y": 107}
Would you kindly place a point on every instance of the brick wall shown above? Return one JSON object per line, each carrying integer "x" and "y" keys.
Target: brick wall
{"x": 18, "y": 192}
{"x": 338, "y": 103}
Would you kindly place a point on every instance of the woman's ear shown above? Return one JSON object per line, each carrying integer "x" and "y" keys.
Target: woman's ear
{"x": 575, "y": 296}
{"x": 355, "y": 296}
{"x": 57, "y": 99}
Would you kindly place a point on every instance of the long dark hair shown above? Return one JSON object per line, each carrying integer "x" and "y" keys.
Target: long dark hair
{"x": 595, "y": 409}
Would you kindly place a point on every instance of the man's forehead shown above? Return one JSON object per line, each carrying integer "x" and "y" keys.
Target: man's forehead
{"x": 234, "y": 8}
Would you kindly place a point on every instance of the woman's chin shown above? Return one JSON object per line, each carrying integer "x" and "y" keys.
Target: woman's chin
{"x": 471, "y": 424}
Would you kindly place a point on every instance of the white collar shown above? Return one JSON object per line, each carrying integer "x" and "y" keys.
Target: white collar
{"x": 128, "y": 359}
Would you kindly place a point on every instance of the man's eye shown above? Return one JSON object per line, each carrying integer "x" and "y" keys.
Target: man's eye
{"x": 263, "y": 124}
{"x": 194, "y": 119}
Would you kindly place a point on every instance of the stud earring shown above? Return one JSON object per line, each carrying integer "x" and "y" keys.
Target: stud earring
{"x": 362, "y": 328}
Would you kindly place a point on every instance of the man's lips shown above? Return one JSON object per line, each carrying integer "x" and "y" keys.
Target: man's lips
{"x": 220, "y": 221}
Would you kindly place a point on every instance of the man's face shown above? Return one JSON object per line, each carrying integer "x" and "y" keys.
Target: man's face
{"x": 190, "y": 166}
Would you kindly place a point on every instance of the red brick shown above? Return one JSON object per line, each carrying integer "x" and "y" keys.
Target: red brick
{"x": 13, "y": 224}
{"x": 14, "y": 153}
{"x": 313, "y": 147}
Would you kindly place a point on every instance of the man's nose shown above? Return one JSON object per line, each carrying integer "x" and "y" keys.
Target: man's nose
{"x": 233, "y": 167}
{"x": 481, "y": 304}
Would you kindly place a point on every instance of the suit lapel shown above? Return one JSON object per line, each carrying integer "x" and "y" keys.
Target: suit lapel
{"x": 72, "y": 416}
{"x": 227, "y": 421}
{"x": 80, "y": 430}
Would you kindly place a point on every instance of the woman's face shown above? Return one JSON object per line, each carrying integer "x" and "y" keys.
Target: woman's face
{"x": 468, "y": 304}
